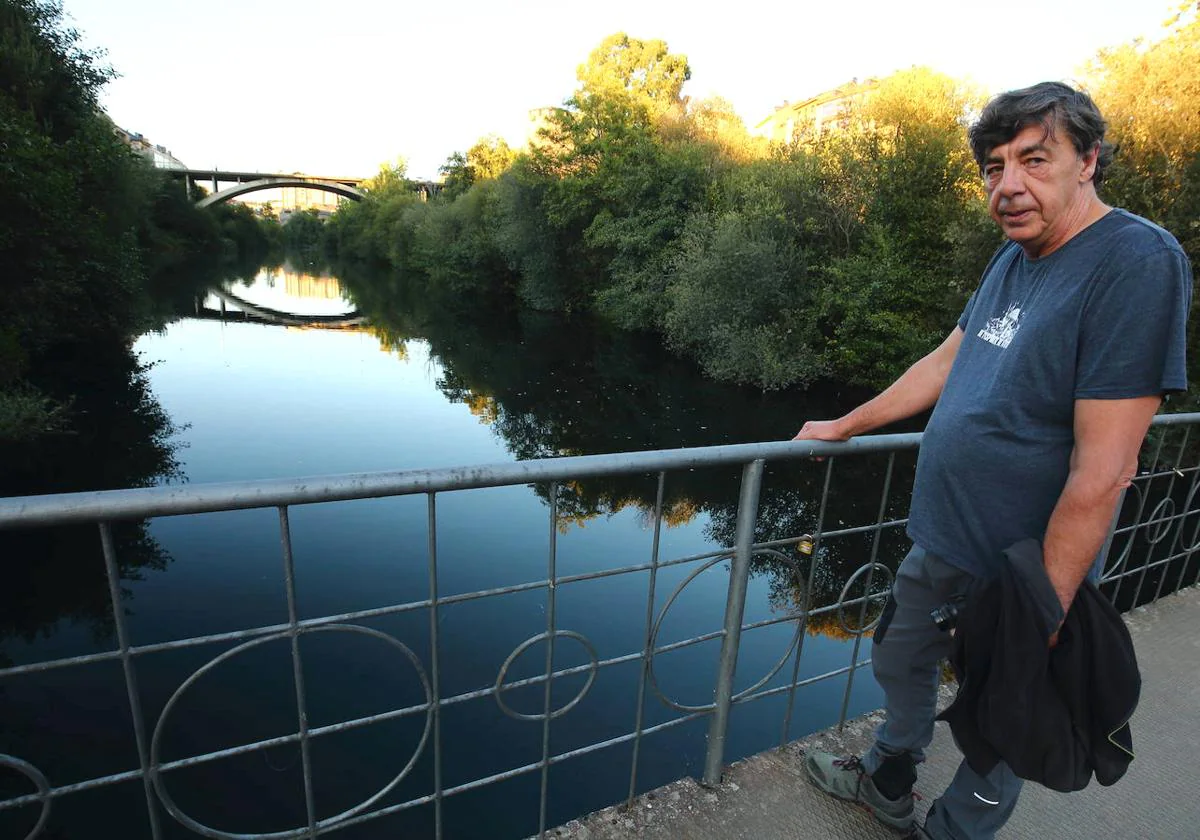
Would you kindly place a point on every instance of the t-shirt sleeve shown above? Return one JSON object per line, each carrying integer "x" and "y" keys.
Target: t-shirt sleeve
{"x": 1133, "y": 340}
{"x": 966, "y": 313}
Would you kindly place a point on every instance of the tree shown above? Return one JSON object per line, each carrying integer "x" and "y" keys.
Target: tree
{"x": 908, "y": 203}
{"x": 488, "y": 159}
{"x": 639, "y": 74}
{"x": 457, "y": 175}
{"x": 68, "y": 221}
{"x": 714, "y": 120}
{"x": 391, "y": 177}
{"x": 1150, "y": 95}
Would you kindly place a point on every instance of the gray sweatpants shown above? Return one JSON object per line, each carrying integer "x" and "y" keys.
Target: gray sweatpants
{"x": 906, "y": 655}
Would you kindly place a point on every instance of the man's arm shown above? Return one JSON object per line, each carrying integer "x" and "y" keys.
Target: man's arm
{"x": 1108, "y": 435}
{"x": 917, "y": 389}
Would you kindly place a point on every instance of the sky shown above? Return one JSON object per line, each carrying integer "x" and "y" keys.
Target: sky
{"x": 339, "y": 87}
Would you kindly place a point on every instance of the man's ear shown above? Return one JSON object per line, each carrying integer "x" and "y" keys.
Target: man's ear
{"x": 1089, "y": 161}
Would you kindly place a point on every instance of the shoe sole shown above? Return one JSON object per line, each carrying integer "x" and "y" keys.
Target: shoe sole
{"x": 895, "y": 823}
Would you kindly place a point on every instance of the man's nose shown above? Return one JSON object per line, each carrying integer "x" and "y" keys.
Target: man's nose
{"x": 1012, "y": 181}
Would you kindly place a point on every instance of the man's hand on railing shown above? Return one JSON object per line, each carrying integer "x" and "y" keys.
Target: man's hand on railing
{"x": 833, "y": 430}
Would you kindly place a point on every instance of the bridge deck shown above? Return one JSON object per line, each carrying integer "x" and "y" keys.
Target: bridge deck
{"x": 767, "y": 797}
{"x": 247, "y": 175}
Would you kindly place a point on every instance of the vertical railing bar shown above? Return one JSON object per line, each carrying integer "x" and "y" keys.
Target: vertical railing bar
{"x": 1182, "y": 517}
{"x": 289, "y": 578}
{"x": 803, "y": 629}
{"x": 735, "y": 607}
{"x": 1137, "y": 593}
{"x": 1187, "y": 561}
{"x": 649, "y": 638}
{"x": 862, "y": 610}
{"x": 435, "y": 707}
{"x": 1192, "y": 546}
{"x": 131, "y": 686}
{"x": 551, "y": 584}
{"x": 1191, "y": 549}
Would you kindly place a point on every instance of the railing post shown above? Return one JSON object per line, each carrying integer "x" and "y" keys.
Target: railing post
{"x": 735, "y": 607}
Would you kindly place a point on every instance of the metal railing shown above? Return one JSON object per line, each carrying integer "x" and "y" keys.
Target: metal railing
{"x": 1132, "y": 568}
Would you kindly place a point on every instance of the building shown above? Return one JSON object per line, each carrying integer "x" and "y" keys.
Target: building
{"x": 815, "y": 115}
{"x": 306, "y": 198}
{"x": 159, "y": 156}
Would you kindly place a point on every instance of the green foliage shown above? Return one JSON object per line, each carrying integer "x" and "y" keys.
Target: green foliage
{"x": 487, "y": 159}
{"x": 304, "y": 233}
{"x": 457, "y": 175}
{"x": 26, "y": 414}
{"x": 548, "y": 259}
{"x": 173, "y": 231}
{"x": 455, "y": 249}
{"x": 1150, "y": 94}
{"x": 846, "y": 255}
{"x": 242, "y": 232}
{"x": 627, "y": 74}
{"x": 647, "y": 193}
{"x": 741, "y": 286}
{"x": 86, "y": 226}
{"x": 43, "y": 71}
{"x": 391, "y": 177}
{"x": 907, "y": 198}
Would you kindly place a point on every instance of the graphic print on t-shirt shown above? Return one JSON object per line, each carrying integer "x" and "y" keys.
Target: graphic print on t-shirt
{"x": 1000, "y": 331}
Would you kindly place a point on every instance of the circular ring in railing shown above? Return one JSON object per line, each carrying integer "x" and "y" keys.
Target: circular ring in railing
{"x": 868, "y": 568}
{"x": 684, "y": 707}
{"x": 1158, "y": 532}
{"x": 1190, "y": 511}
{"x": 791, "y": 561}
{"x": 40, "y": 782}
{"x": 207, "y": 831}
{"x": 524, "y": 646}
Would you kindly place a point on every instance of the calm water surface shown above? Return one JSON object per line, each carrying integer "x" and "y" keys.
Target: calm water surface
{"x": 410, "y": 389}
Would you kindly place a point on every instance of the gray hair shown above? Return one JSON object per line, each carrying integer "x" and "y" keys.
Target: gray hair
{"x": 1050, "y": 104}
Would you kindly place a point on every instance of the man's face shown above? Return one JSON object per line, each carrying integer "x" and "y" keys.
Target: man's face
{"x": 1039, "y": 188}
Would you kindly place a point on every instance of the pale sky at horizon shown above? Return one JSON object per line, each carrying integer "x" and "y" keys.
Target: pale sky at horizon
{"x": 338, "y": 88}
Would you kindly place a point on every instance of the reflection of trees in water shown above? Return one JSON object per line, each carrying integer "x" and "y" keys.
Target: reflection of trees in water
{"x": 790, "y": 506}
{"x": 551, "y": 386}
{"x": 120, "y": 437}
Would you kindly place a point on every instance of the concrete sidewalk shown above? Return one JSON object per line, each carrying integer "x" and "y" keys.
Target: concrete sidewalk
{"x": 767, "y": 797}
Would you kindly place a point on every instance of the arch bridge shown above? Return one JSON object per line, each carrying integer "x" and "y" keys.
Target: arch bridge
{"x": 244, "y": 182}
{"x": 255, "y": 313}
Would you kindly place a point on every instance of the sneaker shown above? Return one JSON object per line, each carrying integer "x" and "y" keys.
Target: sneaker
{"x": 847, "y": 779}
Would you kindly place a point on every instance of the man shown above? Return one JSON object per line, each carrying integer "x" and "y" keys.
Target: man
{"x": 1042, "y": 395}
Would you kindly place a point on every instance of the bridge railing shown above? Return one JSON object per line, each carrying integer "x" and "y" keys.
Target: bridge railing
{"x": 1150, "y": 552}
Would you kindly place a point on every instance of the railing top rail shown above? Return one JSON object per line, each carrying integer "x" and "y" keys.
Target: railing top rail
{"x": 174, "y": 500}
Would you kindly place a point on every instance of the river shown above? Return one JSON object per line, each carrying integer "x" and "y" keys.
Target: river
{"x": 243, "y": 398}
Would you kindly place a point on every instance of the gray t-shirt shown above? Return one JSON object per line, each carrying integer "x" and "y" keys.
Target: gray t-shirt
{"x": 1103, "y": 317}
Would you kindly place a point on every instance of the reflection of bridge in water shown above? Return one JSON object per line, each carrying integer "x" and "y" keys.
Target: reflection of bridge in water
{"x": 247, "y": 312}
